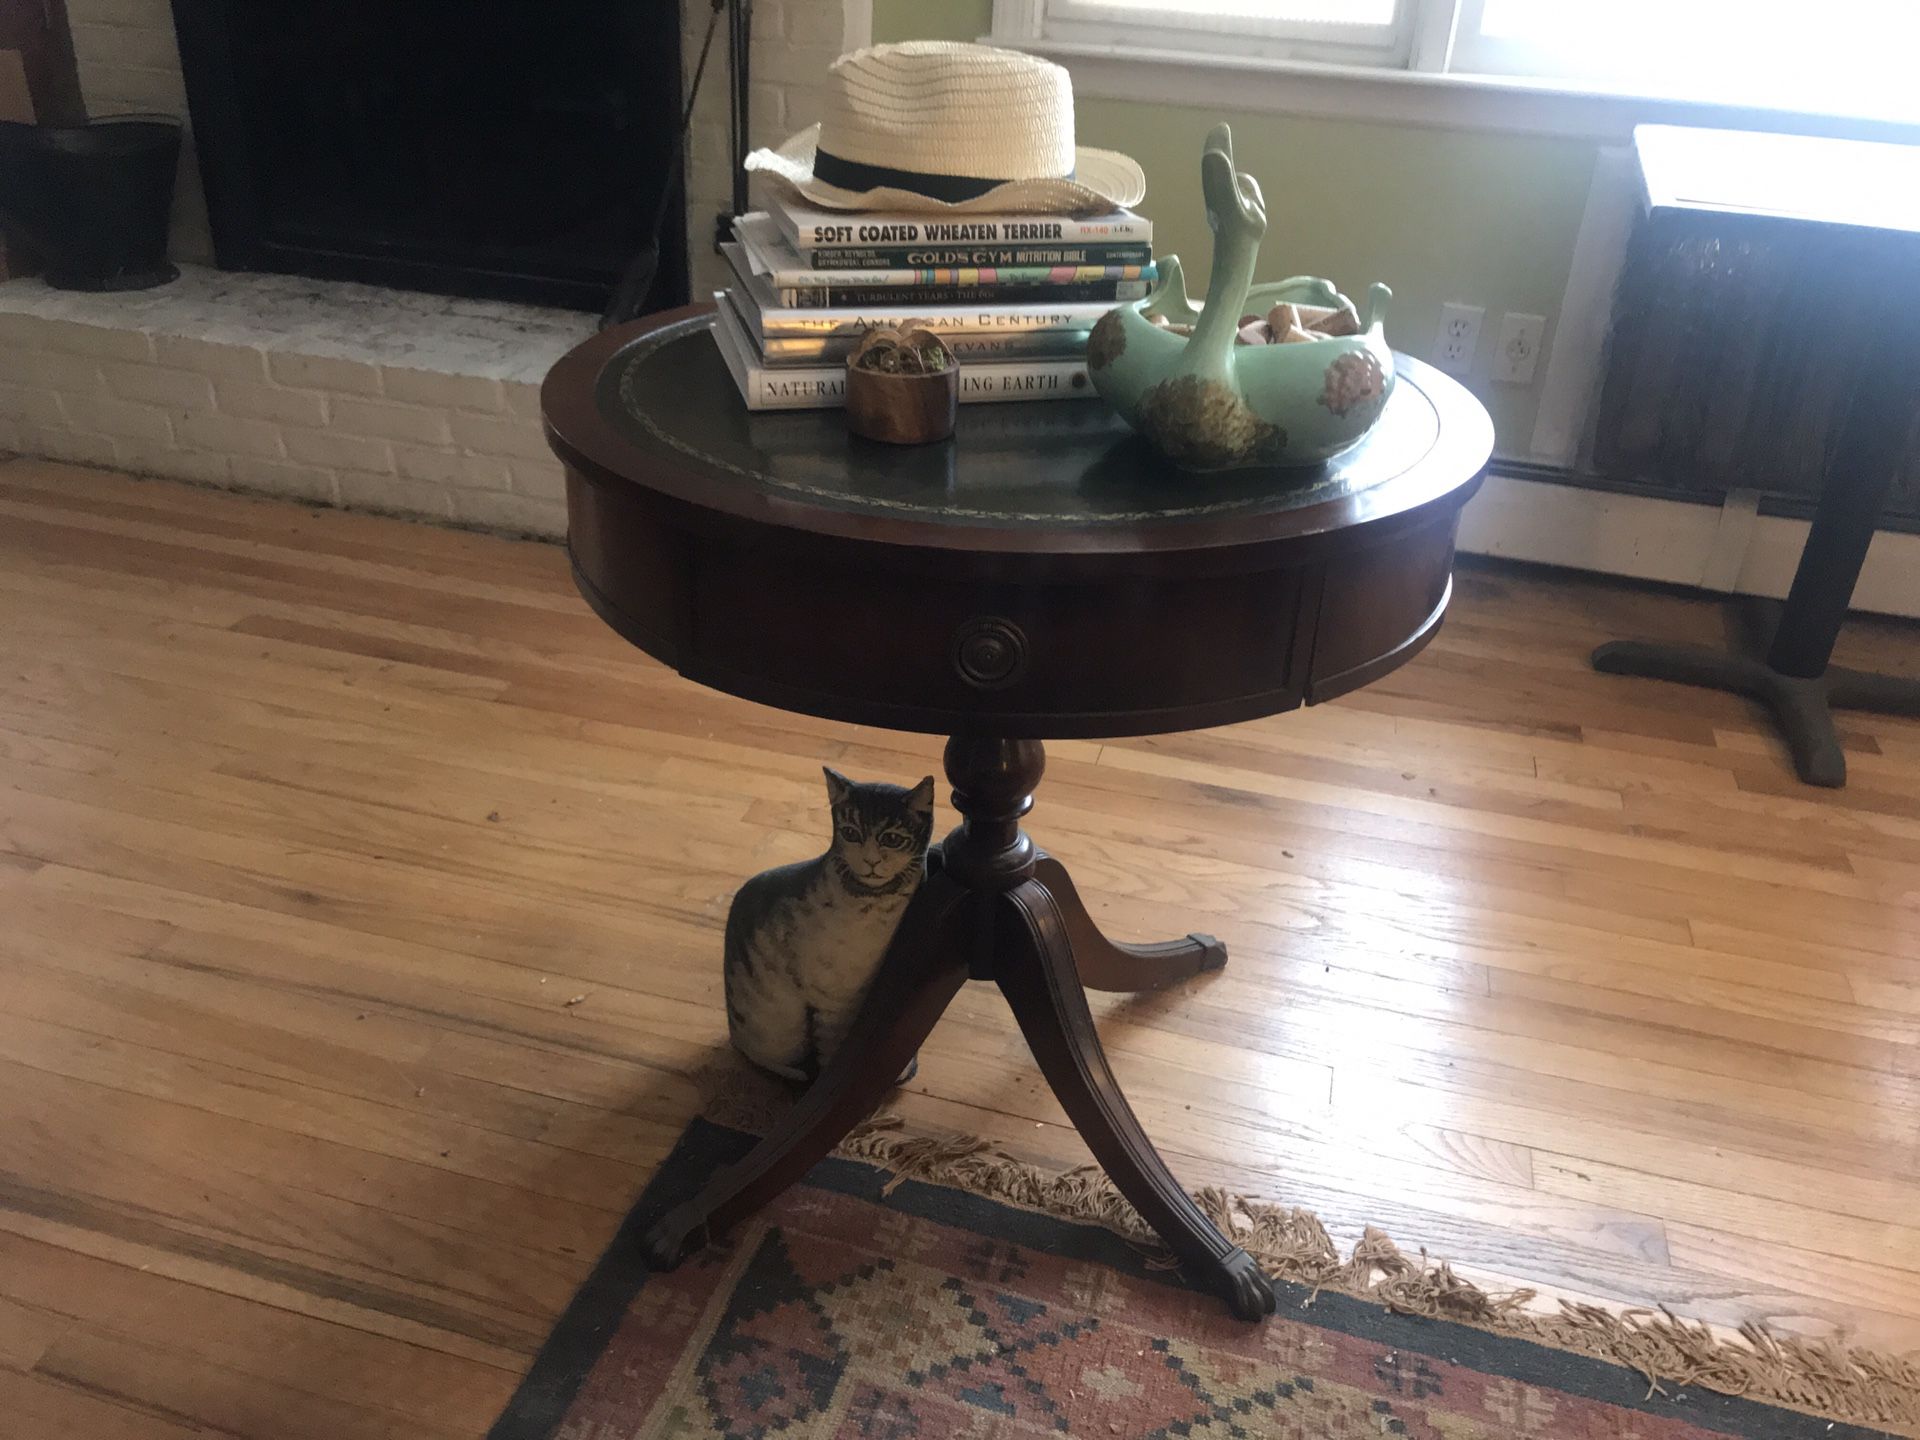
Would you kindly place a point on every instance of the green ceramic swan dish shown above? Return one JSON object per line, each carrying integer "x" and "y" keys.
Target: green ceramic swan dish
{"x": 1208, "y": 403}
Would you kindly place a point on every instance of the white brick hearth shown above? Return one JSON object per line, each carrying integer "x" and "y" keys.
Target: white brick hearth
{"x": 337, "y": 393}
{"x": 342, "y": 394}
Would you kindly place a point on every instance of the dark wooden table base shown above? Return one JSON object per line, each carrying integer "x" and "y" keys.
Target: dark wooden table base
{"x": 1783, "y": 655}
{"x": 1801, "y": 705}
{"x": 992, "y": 908}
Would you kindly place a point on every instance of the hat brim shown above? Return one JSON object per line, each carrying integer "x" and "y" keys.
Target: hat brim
{"x": 1102, "y": 180}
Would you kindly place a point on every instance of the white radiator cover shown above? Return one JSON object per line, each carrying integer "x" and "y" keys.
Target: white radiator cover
{"x": 1723, "y": 548}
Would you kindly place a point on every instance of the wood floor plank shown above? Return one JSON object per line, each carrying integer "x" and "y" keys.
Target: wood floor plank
{"x": 43, "y": 1407}
{"x": 1731, "y": 1210}
{"x": 286, "y": 1347}
{"x": 361, "y": 900}
{"x": 25, "y": 1332}
{"x": 222, "y": 1399}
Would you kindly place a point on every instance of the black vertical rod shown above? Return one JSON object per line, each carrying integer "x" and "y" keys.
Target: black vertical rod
{"x": 1876, "y": 436}
{"x": 741, "y": 54}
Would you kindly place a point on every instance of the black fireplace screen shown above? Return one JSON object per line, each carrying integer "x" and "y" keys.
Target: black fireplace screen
{"x": 508, "y": 148}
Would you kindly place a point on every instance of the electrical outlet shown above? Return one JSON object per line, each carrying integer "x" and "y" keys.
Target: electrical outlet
{"x": 1520, "y": 339}
{"x": 1459, "y": 337}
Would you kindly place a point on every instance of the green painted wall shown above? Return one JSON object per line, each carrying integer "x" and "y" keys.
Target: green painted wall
{"x": 1485, "y": 219}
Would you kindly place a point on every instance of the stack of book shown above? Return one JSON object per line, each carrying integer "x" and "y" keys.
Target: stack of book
{"x": 1013, "y": 296}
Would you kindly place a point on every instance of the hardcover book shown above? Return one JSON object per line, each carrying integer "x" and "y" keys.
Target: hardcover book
{"x": 931, "y": 287}
{"x": 1007, "y": 345}
{"x": 793, "y": 387}
{"x": 907, "y": 257}
{"x": 949, "y": 316}
{"x": 807, "y": 228}
{"x": 761, "y": 232}
{"x": 770, "y": 257}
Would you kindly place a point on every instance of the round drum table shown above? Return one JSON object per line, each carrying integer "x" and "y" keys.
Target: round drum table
{"x": 1041, "y": 575}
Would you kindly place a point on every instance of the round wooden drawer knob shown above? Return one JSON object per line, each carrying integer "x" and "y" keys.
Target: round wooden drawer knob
{"x": 989, "y": 653}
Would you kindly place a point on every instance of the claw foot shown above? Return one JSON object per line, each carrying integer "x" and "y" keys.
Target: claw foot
{"x": 672, "y": 1238}
{"x": 1246, "y": 1289}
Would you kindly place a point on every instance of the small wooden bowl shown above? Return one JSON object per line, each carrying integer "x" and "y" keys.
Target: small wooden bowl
{"x": 902, "y": 408}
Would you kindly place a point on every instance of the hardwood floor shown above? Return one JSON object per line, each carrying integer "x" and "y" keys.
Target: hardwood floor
{"x": 360, "y": 900}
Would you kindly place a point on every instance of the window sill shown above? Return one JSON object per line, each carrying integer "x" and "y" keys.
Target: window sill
{"x": 1511, "y": 104}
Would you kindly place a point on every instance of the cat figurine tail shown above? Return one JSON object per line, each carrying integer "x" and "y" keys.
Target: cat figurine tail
{"x": 804, "y": 940}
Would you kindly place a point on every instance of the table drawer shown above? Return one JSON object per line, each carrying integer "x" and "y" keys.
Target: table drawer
{"x": 1015, "y": 660}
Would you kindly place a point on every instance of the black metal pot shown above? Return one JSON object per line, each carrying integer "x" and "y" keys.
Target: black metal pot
{"x": 93, "y": 201}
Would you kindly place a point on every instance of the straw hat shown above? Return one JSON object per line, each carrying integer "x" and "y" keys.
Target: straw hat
{"x": 931, "y": 125}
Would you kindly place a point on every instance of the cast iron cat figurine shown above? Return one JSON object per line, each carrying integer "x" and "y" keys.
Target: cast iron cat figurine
{"x": 804, "y": 940}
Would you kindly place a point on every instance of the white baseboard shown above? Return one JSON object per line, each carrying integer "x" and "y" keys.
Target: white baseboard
{"x": 1672, "y": 541}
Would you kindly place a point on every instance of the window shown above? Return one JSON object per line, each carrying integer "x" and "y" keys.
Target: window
{"x": 1833, "y": 56}
{"x": 1837, "y": 57}
{"x": 1349, "y": 32}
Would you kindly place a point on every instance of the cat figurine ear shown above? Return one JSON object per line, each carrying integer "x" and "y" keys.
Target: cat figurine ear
{"x": 839, "y": 786}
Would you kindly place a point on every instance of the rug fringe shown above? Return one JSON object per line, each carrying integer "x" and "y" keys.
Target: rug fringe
{"x": 1824, "y": 1377}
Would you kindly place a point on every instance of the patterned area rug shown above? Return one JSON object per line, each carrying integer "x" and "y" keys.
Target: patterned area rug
{"x": 855, "y": 1309}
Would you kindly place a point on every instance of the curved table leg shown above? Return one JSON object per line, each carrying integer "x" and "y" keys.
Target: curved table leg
{"x": 924, "y": 967}
{"x": 1105, "y": 964}
{"x": 1034, "y": 965}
